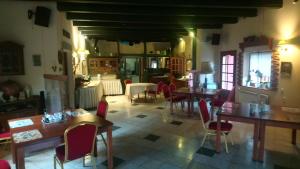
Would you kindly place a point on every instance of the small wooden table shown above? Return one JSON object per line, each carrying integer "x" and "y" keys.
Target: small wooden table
{"x": 190, "y": 94}
{"x": 260, "y": 116}
{"x": 52, "y": 135}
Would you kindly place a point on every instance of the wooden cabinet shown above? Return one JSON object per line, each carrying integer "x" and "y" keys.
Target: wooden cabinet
{"x": 17, "y": 109}
{"x": 177, "y": 65}
{"x": 103, "y": 65}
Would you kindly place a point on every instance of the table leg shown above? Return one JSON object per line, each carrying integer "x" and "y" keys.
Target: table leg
{"x": 13, "y": 152}
{"x": 262, "y": 129}
{"x": 171, "y": 104}
{"x": 109, "y": 148}
{"x": 95, "y": 147}
{"x": 20, "y": 163}
{"x": 218, "y": 136}
{"x": 255, "y": 140}
{"x": 192, "y": 104}
{"x": 294, "y": 136}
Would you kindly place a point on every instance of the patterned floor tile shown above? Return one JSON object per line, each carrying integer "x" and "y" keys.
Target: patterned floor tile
{"x": 176, "y": 123}
{"x": 116, "y": 161}
{"x": 141, "y": 116}
{"x": 206, "y": 151}
{"x": 152, "y": 137}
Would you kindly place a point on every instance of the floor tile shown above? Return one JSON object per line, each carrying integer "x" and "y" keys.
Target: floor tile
{"x": 152, "y": 137}
{"x": 176, "y": 123}
{"x": 281, "y": 167}
{"x": 141, "y": 116}
{"x": 206, "y": 151}
{"x": 115, "y": 127}
{"x": 116, "y": 162}
{"x": 160, "y": 108}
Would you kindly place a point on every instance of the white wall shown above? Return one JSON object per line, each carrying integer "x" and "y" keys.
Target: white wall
{"x": 206, "y": 52}
{"x": 15, "y": 26}
{"x": 280, "y": 24}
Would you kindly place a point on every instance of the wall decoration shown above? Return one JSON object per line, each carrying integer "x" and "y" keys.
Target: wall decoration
{"x": 11, "y": 59}
{"x": 36, "y": 59}
{"x": 286, "y": 69}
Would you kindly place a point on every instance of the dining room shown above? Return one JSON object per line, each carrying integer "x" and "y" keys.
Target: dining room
{"x": 150, "y": 84}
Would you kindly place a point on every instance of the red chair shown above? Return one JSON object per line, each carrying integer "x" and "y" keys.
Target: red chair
{"x": 4, "y": 164}
{"x": 174, "y": 99}
{"x": 127, "y": 81}
{"x": 5, "y": 137}
{"x": 158, "y": 91}
{"x": 172, "y": 87}
{"x": 210, "y": 127}
{"x": 79, "y": 142}
{"x": 220, "y": 98}
{"x": 102, "y": 112}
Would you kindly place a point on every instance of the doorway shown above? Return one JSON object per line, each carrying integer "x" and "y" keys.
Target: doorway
{"x": 228, "y": 66}
{"x": 131, "y": 68}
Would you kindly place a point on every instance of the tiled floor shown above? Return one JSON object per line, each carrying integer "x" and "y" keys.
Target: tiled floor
{"x": 146, "y": 136}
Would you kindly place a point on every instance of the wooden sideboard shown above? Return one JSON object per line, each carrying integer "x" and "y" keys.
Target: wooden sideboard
{"x": 17, "y": 109}
{"x": 103, "y": 65}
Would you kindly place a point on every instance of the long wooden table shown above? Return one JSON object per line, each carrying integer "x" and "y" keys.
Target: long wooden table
{"x": 260, "y": 116}
{"x": 190, "y": 94}
{"x": 52, "y": 135}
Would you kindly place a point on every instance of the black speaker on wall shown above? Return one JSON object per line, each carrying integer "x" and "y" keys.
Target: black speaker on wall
{"x": 215, "y": 40}
{"x": 42, "y": 16}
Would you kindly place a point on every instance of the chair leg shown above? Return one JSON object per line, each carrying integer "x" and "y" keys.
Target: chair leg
{"x": 83, "y": 161}
{"x": 225, "y": 141}
{"x": 230, "y": 136}
{"x": 103, "y": 139}
{"x": 54, "y": 162}
{"x": 204, "y": 138}
{"x": 94, "y": 162}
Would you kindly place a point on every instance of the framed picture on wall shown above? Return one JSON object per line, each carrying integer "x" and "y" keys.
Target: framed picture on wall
{"x": 286, "y": 69}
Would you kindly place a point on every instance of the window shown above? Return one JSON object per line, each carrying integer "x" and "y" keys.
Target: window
{"x": 258, "y": 73}
{"x": 228, "y": 69}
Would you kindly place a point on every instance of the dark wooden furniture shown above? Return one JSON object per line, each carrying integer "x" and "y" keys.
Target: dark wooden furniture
{"x": 52, "y": 135}
{"x": 103, "y": 65}
{"x": 177, "y": 65}
{"x": 18, "y": 109}
{"x": 11, "y": 59}
{"x": 190, "y": 94}
{"x": 261, "y": 116}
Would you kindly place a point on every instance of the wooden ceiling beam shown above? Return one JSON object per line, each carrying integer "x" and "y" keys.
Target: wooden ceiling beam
{"x": 190, "y": 3}
{"x": 146, "y": 10}
{"x": 101, "y": 30}
{"x": 94, "y": 25}
{"x": 166, "y": 38}
{"x": 149, "y": 19}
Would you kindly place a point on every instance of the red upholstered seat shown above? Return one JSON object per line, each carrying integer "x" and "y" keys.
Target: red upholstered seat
{"x": 102, "y": 109}
{"x": 79, "y": 142}
{"x": 5, "y": 135}
{"x": 211, "y": 127}
{"x": 60, "y": 152}
{"x": 4, "y": 164}
{"x": 224, "y": 126}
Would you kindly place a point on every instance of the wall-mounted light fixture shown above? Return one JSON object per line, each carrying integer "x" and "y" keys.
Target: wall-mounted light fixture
{"x": 295, "y": 1}
{"x": 191, "y": 34}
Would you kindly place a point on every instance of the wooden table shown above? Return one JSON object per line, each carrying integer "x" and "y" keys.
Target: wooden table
{"x": 52, "y": 135}
{"x": 260, "y": 116}
{"x": 190, "y": 94}
{"x": 278, "y": 118}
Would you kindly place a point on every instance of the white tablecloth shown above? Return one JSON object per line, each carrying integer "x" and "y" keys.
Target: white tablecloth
{"x": 112, "y": 87}
{"x": 136, "y": 88}
{"x": 89, "y": 96}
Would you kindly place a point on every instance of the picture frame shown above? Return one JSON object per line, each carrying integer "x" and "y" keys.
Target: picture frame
{"x": 286, "y": 69}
